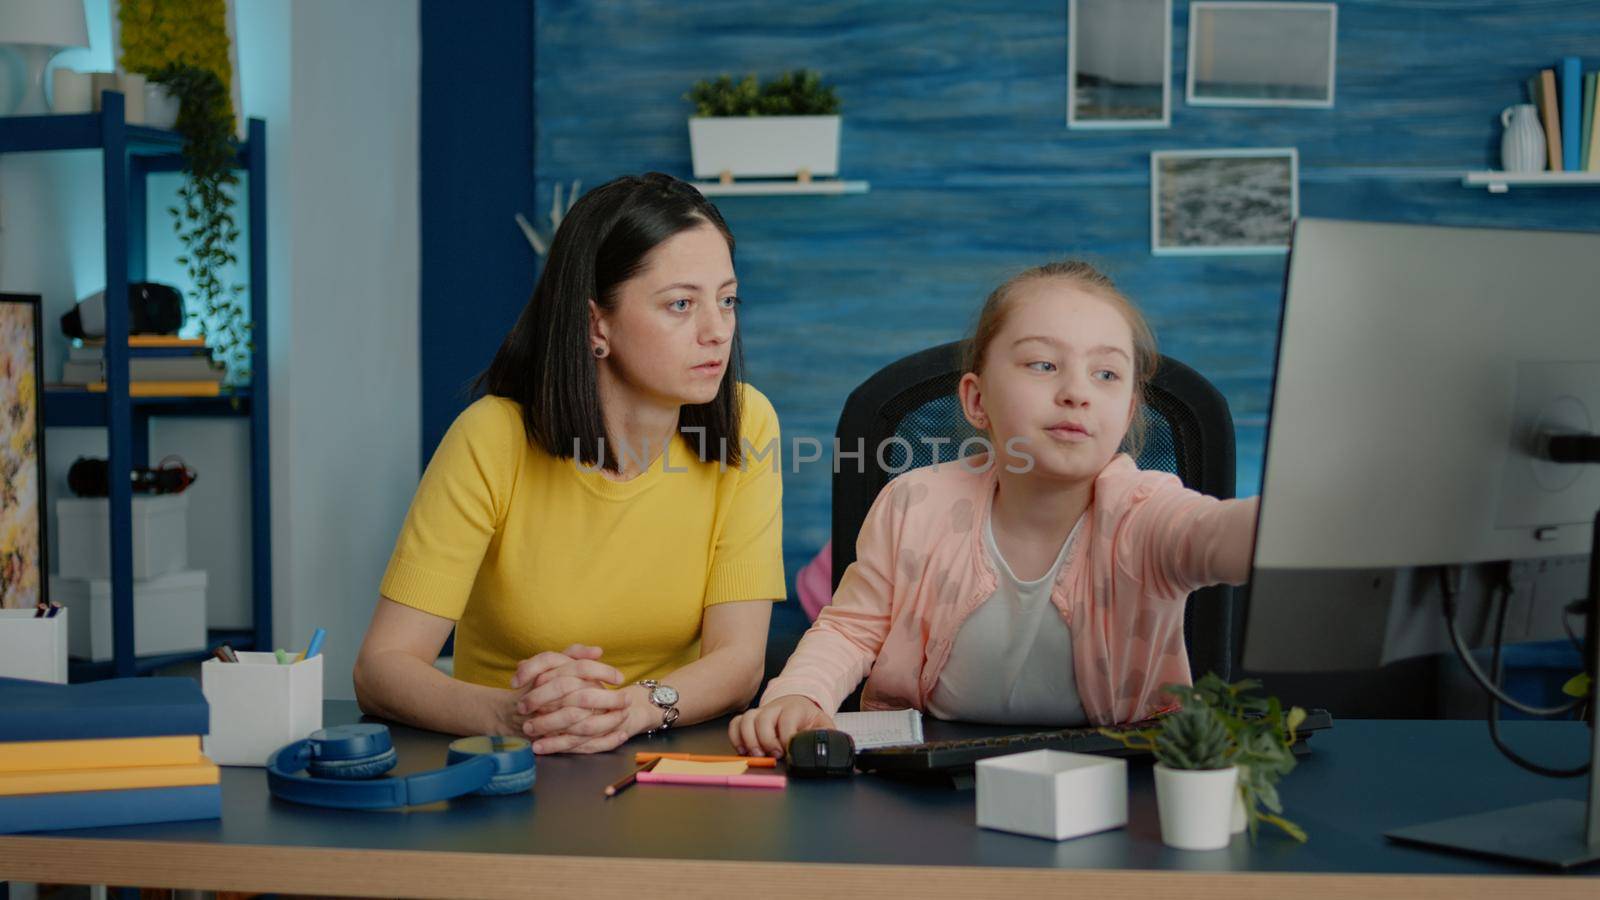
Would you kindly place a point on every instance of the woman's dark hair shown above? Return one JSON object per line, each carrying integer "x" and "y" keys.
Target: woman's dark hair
{"x": 546, "y": 363}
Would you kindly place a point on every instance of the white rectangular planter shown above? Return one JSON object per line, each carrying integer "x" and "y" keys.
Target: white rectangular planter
{"x": 1051, "y": 794}
{"x": 764, "y": 146}
{"x": 35, "y": 649}
{"x": 258, "y": 706}
{"x": 160, "y": 536}
{"x": 169, "y": 614}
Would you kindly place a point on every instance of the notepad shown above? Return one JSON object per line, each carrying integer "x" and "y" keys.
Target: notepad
{"x": 880, "y": 728}
{"x": 691, "y": 767}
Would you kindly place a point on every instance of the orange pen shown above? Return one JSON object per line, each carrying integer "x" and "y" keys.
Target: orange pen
{"x": 754, "y": 762}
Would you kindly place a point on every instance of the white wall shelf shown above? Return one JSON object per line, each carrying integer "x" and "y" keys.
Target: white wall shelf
{"x": 769, "y": 188}
{"x": 1501, "y": 182}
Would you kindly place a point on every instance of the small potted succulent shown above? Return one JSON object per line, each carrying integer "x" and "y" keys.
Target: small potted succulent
{"x": 785, "y": 128}
{"x": 1219, "y": 759}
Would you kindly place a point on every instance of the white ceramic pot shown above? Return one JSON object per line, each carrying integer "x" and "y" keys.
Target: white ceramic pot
{"x": 1522, "y": 146}
{"x": 764, "y": 146}
{"x": 1240, "y": 820}
{"x": 160, "y": 106}
{"x": 1196, "y": 806}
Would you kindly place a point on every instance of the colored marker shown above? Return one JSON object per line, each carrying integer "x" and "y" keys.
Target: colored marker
{"x": 754, "y": 762}
{"x": 283, "y": 658}
{"x": 315, "y": 647}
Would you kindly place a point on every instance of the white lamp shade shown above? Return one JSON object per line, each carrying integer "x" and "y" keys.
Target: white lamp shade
{"x": 48, "y": 23}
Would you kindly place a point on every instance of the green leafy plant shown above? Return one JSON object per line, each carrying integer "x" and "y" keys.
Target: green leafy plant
{"x": 203, "y": 220}
{"x": 1256, "y": 735}
{"x": 797, "y": 93}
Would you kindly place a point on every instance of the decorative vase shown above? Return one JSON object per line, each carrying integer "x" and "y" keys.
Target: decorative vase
{"x": 1522, "y": 146}
{"x": 1196, "y": 806}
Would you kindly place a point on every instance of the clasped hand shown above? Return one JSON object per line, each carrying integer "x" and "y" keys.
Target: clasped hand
{"x": 562, "y": 704}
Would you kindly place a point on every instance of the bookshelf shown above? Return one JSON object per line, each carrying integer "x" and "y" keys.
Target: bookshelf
{"x": 1502, "y": 182}
{"x": 130, "y": 153}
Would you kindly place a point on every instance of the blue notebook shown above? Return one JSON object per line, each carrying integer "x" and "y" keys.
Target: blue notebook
{"x": 1571, "y": 94}
{"x": 93, "y": 809}
{"x": 119, "y": 707}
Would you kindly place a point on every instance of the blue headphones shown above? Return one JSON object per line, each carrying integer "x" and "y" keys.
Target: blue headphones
{"x": 345, "y": 761}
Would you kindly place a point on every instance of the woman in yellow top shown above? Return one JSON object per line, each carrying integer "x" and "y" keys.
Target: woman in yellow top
{"x": 607, "y": 514}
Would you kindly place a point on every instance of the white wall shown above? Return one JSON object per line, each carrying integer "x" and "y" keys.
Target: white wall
{"x": 336, "y": 81}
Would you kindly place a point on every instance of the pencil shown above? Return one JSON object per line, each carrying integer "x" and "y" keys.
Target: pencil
{"x": 754, "y": 762}
{"x": 621, "y": 784}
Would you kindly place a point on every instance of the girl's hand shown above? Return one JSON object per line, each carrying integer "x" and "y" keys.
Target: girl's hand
{"x": 766, "y": 731}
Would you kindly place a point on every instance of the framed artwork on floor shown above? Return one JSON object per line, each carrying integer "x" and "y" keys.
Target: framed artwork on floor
{"x": 23, "y": 578}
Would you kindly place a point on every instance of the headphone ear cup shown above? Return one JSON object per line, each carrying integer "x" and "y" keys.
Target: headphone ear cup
{"x": 508, "y": 783}
{"x": 356, "y": 767}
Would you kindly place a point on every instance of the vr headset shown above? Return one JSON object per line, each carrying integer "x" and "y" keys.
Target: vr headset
{"x": 152, "y": 309}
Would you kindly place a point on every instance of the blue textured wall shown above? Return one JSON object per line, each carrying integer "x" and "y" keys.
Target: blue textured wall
{"x": 955, "y": 112}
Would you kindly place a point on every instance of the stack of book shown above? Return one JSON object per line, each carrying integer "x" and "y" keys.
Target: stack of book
{"x": 118, "y": 752}
{"x": 158, "y": 366}
{"x": 1568, "y": 100}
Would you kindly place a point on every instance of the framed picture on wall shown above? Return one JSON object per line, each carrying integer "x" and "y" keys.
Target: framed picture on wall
{"x": 22, "y": 513}
{"x": 1223, "y": 201}
{"x": 147, "y": 35}
{"x": 1119, "y": 63}
{"x": 1262, "y": 54}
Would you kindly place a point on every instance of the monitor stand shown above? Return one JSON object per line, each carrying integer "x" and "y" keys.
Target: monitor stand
{"x": 1556, "y": 833}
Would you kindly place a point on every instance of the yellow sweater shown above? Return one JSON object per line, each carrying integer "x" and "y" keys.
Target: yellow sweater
{"x": 528, "y": 552}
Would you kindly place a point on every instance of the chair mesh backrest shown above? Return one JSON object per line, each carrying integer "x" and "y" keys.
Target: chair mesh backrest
{"x": 912, "y": 409}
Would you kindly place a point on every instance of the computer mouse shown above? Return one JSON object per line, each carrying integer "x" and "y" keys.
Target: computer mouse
{"x": 821, "y": 753}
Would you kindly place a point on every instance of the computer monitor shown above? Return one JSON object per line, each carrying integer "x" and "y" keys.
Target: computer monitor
{"x": 1422, "y": 372}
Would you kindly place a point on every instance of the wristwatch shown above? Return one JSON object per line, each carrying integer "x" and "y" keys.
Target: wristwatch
{"x": 665, "y": 697}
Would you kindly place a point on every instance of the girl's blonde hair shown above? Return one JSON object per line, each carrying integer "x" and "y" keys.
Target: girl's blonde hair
{"x": 1088, "y": 279}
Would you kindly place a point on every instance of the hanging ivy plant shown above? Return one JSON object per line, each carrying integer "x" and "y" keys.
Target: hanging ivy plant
{"x": 203, "y": 218}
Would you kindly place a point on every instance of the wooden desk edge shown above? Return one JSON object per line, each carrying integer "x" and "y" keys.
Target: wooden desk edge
{"x": 405, "y": 873}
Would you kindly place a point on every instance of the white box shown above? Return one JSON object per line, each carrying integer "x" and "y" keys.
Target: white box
{"x": 764, "y": 146}
{"x": 1051, "y": 794}
{"x": 258, "y": 706}
{"x": 169, "y": 614}
{"x": 160, "y": 536}
{"x": 35, "y": 649}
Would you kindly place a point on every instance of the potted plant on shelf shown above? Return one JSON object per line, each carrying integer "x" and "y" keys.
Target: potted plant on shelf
{"x": 184, "y": 47}
{"x": 1219, "y": 759}
{"x": 786, "y": 128}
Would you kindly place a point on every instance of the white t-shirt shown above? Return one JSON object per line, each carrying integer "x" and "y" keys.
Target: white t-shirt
{"x": 1011, "y": 663}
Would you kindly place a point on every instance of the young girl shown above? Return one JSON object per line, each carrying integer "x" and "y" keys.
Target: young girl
{"x": 1043, "y": 583}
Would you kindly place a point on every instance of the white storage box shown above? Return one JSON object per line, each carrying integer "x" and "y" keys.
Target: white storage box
{"x": 764, "y": 146}
{"x": 258, "y": 705}
{"x": 35, "y": 649}
{"x": 169, "y": 614}
{"x": 160, "y": 536}
{"x": 1051, "y": 794}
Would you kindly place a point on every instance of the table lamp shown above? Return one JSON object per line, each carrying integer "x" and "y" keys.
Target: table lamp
{"x": 36, "y": 30}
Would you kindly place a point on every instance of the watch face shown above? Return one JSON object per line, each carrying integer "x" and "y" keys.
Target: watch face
{"x": 664, "y": 696}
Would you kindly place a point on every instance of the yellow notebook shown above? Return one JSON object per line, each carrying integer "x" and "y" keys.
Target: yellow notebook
{"x": 152, "y": 340}
{"x": 68, "y": 781}
{"x": 100, "y": 753}
{"x": 164, "y": 388}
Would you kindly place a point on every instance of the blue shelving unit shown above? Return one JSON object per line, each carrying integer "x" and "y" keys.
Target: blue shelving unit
{"x": 130, "y": 153}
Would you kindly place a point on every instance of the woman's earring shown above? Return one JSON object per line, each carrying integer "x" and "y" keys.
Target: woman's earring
{"x": 599, "y": 351}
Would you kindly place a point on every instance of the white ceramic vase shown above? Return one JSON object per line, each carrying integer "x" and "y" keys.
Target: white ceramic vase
{"x": 1522, "y": 146}
{"x": 1196, "y": 806}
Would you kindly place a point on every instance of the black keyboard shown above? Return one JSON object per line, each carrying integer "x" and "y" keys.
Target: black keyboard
{"x": 958, "y": 756}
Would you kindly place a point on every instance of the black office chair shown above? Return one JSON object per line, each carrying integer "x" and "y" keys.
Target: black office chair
{"x": 1189, "y": 433}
